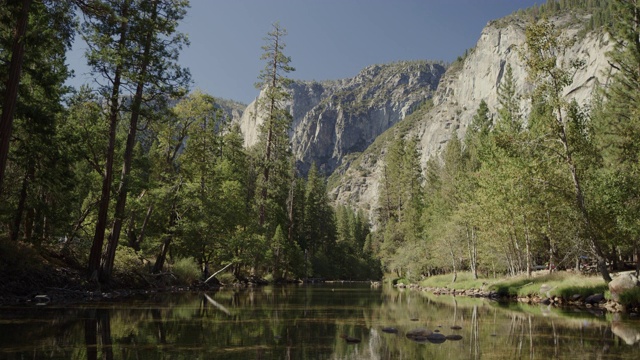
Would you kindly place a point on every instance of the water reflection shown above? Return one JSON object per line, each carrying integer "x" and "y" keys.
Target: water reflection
{"x": 312, "y": 322}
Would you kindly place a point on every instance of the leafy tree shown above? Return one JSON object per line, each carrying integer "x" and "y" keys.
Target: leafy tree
{"x": 618, "y": 123}
{"x": 544, "y": 44}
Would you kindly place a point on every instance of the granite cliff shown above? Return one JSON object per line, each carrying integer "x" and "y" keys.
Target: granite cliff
{"x": 463, "y": 86}
{"x": 333, "y": 119}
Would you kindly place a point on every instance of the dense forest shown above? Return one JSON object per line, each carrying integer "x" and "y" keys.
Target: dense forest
{"x": 136, "y": 176}
{"x": 134, "y": 173}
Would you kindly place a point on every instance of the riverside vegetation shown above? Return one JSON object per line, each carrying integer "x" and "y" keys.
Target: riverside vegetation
{"x": 553, "y": 183}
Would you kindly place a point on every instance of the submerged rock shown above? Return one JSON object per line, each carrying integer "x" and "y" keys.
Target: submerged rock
{"x": 436, "y": 338}
{"x": 390, "y": 330}
{"x": 349, "y": 339}
{"x": 419, "y": 335}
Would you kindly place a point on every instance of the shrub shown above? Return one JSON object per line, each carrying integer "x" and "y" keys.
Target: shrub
{"x": 226, "y": 277}
{"x": 401, "y": 281}
{"x": 186, "y": 270}
{"x": 126, "y": 261}
{"x": 18, "y": 257}
{"x": 630, "y": 297}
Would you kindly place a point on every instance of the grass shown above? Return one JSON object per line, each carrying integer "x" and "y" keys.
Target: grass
{"x": 561, "y": 284}
{"x": 464, "y": 280}
{"x": 631, "y": 297}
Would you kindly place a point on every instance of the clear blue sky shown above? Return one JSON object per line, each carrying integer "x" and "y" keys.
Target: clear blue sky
{"x": 328, "y": 39}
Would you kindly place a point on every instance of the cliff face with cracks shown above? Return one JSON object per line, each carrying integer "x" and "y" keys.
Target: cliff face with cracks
{"x": 344, "y": 125}
{"x": 461, "y": 90}
{"x": 333, "y": 119}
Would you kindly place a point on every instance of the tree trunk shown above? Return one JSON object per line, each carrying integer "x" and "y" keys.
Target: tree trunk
{"x": 637, "y": 260}
{"x": 473, "y": 250}
{"x": 527, "y": 242}
{"x": 591, "y": 234}
{"x": 453, "y": 264}
{"x": 272, "y": 109}
{"x": 17, "y": 219}
{"x": 101, "y": 224}
{"x": 162, "y": 255}
{"x": 123, "y": 189}
{"x": 11, "y": 87}
{"x": 136, "y": 240}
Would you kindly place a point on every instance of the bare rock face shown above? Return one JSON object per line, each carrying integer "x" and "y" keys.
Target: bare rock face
{"x": 333, "y": 119}
{"x": 464, "y": 86}
{"x": 478, "y": 78}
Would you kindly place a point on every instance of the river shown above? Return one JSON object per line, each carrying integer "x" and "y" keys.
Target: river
{"x": 326, "y": 321}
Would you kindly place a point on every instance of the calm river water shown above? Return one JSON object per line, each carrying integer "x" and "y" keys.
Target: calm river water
{"x": 310, "y": 322}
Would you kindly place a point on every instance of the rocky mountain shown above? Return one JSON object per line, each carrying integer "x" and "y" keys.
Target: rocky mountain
{"x": 232, "y": 109}
{"x": 463, "y": 86}
{"x": 333, "y": 119}
{"x": 344, "y": 126}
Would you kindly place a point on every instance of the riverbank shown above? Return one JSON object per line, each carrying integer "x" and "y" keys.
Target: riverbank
{"x": 42, "y": 276}
{"x": 556, "y": 289}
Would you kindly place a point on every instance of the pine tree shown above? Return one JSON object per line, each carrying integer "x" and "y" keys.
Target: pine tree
{"x": 274, "y": 132}
{"x": 157, "y": 76}
{"x": 36, "y": 164}
{"x": 11, "y": 84}
{"x": 107, "y": 35}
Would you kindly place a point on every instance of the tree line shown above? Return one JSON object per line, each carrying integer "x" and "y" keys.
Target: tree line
{"x": 557, "y": 187}
{"x": 134, "y": 172}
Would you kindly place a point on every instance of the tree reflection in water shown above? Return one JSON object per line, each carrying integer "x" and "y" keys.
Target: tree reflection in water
{"x": 305, "y": 322}
{"x": 97, "y": 325}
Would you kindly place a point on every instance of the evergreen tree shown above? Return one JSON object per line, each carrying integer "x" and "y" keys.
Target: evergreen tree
{"x": 37, "y": 165}
{"x": 274, "y": 132}
{"x": 21, "y": 13}
{"x": 156, "y": 75}
{"x": 108, "y": 35}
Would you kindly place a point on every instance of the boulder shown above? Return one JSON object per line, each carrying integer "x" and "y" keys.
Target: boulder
{"x": 594, "y": 299}
{"x": 621, "y": 284}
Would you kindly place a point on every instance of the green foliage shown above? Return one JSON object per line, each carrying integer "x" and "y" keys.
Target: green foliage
{"x": 36, "y": 197}
{"x": 402, "y": 281}
{"x": 127, "y": 261}
{"x": 186, "y": 270}
{"x": 630, "y": 297}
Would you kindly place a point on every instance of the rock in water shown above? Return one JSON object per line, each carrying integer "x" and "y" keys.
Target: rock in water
{"x": 349, "y": 339}
{"x": 390, "y": 330}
